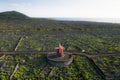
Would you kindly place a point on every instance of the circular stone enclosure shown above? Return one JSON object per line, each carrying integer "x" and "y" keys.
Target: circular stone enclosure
{"x": 55, "y": 60}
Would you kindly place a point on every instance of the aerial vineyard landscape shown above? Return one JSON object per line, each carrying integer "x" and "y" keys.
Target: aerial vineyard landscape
{"x": 25, "y": 43}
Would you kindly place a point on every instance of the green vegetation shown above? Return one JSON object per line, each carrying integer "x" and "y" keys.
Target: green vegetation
{"x": 110, "y": 66}
{"x": 12, "y": 15}
{"x": 87, "y": 69}
{"x": 45, "y": 34}
{"x": 93, "y": 42}
{"x": 8, "y": 41}
{"x": 35, "y": 67}
{"x": 21, "y": 33}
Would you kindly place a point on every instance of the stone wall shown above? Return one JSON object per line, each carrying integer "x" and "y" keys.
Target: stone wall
{"x": 61, "y": 63}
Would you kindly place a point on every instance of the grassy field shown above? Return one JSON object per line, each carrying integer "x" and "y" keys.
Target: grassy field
{"x": 23, "y": 33}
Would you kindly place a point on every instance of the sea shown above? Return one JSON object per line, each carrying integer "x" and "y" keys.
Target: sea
{"x": 105, "y": 20}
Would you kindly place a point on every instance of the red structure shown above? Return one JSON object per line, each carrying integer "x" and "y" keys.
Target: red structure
{"x": 60, "y": 49}
{"x": 60, "y": 58}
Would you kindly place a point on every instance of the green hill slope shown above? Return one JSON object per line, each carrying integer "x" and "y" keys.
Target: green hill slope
{"x": 12, "y": 15}
{"x": 13, "y": 20}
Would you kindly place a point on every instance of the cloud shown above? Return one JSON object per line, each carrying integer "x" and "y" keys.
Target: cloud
{"x": 20, "y": 5}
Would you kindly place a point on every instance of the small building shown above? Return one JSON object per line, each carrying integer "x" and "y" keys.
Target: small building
{"x": 59, "y": 49}
{"x": 59, "y": 58}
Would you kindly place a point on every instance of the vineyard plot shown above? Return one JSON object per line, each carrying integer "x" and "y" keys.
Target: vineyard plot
{"x": 110, "y": 66}
{"x": 87, "y": 69}
{"x": 6, "y": 69}
{"x": 93, "y": 42}
{"x": 35, "y": 66}
{"x": 8, "y": 41}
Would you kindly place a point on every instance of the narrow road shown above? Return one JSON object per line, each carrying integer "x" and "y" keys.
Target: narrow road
{"x": 67, "y": 52}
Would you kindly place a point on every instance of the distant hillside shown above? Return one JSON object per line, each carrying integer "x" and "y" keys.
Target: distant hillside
{"x": 12, "y": 15}
{"x": 13, "y": 20}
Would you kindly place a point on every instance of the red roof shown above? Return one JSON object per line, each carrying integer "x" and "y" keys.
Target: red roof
{"x": 60, "y": 49}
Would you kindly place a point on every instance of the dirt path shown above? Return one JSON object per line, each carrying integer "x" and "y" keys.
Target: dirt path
{"x": 68, "y": 52}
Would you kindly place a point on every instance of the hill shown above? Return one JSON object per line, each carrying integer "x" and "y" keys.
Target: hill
{"x": 12, "y": 15}
{"x": 14, "y": 20}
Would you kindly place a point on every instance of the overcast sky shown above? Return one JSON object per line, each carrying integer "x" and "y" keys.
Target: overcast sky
{"x": 64, "y": 8}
